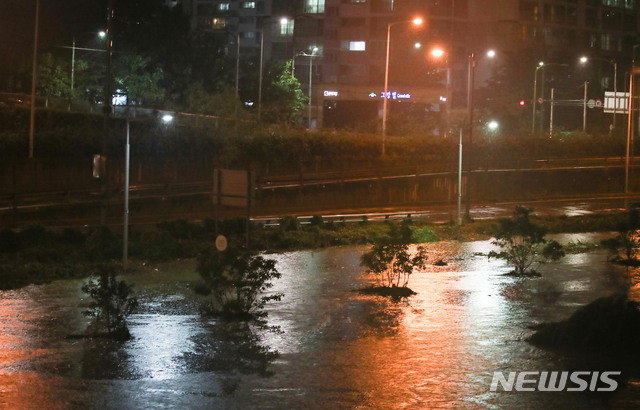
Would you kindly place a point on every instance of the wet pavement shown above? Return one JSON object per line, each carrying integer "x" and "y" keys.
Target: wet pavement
{"x": 333, "y": 347}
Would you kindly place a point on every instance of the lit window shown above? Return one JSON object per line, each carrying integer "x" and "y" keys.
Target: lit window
{"x": 286, "y": 27}
{"x": 217, "y": 23}
{"x": 314, "y": 6}
{"x": 357, "y": 46}
{"x": 248, "y": 5}
{"x": 223, "y": 6}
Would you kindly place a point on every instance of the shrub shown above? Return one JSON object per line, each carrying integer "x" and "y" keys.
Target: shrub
{"x": 522, "y": 243}
{"x": 111, "y": 304}
{"x": 390, "y": 259}
{"x": 238, "y": 280}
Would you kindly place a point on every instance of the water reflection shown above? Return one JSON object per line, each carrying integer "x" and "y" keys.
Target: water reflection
{"x": 337, "y": 349}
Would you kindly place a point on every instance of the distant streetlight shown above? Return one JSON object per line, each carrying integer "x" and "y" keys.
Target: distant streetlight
{"x": 585, "y": 60}
{"x": 311, "y": 56}
{"x": 541, "y": 65}
{"x": 470, "y": 87}
{"x": 416, "y": 22}
{"x": 100, "y": 34}
{"x": 439, "y": 53}
{"x": 166, "y": 118}
{"x": 493, "y": 125}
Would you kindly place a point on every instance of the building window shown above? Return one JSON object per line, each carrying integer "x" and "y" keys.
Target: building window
{"x": 286, "y": 27}
{"x": 223, "y": 6}
{"x": 357, "y": 45}
{"x": 248, "y": 5}
{"x": 314, "y": 6}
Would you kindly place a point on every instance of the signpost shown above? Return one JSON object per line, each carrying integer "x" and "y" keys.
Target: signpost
{"x": 235, "y": 189}
{"x": 616, "y": 102}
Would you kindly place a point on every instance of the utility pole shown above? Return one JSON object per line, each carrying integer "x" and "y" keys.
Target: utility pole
{"x": 104, "y": 180}
{"x": 33, "y": 81}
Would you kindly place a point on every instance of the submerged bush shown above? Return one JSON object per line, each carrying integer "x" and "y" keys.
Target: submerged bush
{"x": 391, "y": 260}
{"x": 238, "y": 280}
{"x": 111, "y": 304}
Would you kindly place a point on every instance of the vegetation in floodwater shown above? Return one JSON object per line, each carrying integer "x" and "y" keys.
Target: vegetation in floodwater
{"x": 393, "y": 263}
{"x": 112, "y": 303}
{"x": 522, "y": 243}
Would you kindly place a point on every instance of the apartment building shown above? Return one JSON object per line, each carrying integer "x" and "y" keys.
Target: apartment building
{"x": 339, "y": 46}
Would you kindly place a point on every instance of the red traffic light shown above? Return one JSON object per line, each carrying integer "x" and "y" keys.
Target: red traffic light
{"x": 523, "y": 103}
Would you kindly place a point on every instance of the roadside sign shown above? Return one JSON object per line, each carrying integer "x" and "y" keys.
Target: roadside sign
{"x": 540, "y": 100}
{"x": 591, "y": 103}
{"x": 598, "y": 103}
{"x": 616, "y": 102}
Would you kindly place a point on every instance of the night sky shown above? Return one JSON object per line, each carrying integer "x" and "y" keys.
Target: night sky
{"x": 60, "y": 20}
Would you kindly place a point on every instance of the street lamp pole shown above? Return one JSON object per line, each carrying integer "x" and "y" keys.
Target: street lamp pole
{"x": 470, "y": 86}
{"x": 417, "y": 21}
{"x": 33, "y": 80}
{"x": 535, "y": 91}
{"x": 260, "y": 80}
{"x": 127, "y": 165}
{"x": 386, "y": 91}
{"x": 584, "y": 108}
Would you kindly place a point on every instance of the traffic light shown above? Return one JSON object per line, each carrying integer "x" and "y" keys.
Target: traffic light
{"x": 523, "y": 103}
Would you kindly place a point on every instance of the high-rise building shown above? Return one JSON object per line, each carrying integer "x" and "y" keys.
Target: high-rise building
{"x": 345, "y": 41}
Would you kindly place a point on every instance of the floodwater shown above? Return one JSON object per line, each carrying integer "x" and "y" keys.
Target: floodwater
{"x": 335, "y": 348}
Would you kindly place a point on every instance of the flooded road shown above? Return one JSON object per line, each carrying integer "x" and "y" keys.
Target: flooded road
{"x": 336, "y": 348}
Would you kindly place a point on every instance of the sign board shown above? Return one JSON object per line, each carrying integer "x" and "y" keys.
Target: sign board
{"x": 233, "y": 188}
{"x": 616, "y": 102}
{"x": 328, "y": 93}
{"x": 591, "y": 103}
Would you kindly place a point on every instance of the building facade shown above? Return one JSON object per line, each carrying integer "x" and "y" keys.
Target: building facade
{"x": 339, "y": 47}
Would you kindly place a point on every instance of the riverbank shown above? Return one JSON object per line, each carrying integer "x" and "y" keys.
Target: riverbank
{"x": 35, "y": 255}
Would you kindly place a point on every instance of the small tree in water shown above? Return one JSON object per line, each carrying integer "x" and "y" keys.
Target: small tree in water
{"x": 391, "y": 260}
{"x": 522, "y": 243}
{"x": 111, "y": 304}
{"x": 238, "y": 280}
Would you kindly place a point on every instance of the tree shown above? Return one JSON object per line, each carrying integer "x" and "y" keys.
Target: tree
{"x": 522, "y": 243}
{"x": 238, "y": 280}
{"x": 282, "y": 97}
{"x": 391, "y": 260}
{"x": 111, "y": 304}
{"x": 139, "y": 80}
{"x": 53, "y": 80}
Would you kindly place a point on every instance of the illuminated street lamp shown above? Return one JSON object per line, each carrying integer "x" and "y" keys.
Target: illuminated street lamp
{"x": 416, "y": 22}
{"x": 470, "y": 87}
{"x": 585, "y": 60}
{"x": 101, "y": 34}
{"x": 166, "y": 118}
{"x": 541, "y": 65}
{"x": 439, "y": 53}
{"x": 311, "y": 56}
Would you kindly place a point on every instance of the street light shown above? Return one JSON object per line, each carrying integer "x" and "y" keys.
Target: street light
{"x": 101, "y": 34}
{"x": 470, "y": 87}
{"x": 416, "y": 22}
{"x": 541, "y": 65}
{"x": 439, "y": 53}
{"x": 585, "y": 60}
{"x": 166, "y": 118}
{"x": 311, "y": 57}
